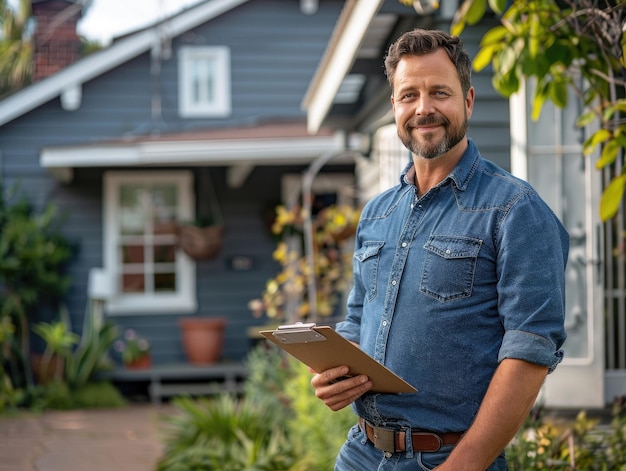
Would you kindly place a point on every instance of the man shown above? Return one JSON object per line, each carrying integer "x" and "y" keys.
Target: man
{"x": 458, "y": 285}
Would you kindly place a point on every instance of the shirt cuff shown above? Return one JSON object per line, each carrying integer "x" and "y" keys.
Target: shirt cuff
{"x": 531, "y": 348}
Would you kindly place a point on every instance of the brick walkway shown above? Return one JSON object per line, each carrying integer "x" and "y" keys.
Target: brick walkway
{"x": 125, "y": 439}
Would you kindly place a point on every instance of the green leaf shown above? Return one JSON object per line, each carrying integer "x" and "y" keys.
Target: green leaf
{"x": 484, "y": 57}
{"x": 498, "y": 6}
{"x": 620, "y": 104}
{"x": 541, "y": 93}
{"x": 506, "y": 60}
{"x": 460, "y": 18}
{"x": 609, "y": 154}
{"x": 559, "y": 52}
{"x": 533, "y": 39}
{"x": 612, "y": 197}
{"x": 557, "y": 91}
{"x": 494, "y": 36}
{"x": 586, "y": 118}
{"x": 476, "y": 11}
{"x": 596, "y": 138}
{"x": 458, "y": 25}
{"x": 608, "y": 112}
{"x": 506, "y": 84}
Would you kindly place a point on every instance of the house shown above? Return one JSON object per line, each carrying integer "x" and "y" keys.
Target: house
{"x": 217, "y": 113}
{"x": 196, "y": 117}
{"x": 547, "y": 153}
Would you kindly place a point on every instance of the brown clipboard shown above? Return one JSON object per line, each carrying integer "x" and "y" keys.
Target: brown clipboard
{"x": 322, "y": 348}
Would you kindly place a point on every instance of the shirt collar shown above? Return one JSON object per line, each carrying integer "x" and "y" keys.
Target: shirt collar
{"x": 460, "y": 175}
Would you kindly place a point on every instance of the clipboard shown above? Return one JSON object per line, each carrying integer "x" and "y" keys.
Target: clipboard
{"x": 322, "y": 348}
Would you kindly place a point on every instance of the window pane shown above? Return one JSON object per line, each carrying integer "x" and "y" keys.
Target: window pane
{"x": 130, "y": 195}
{"x": 165, "y": 282}
{"x": 132, "y": 221}
{"x": 164, "y": 195}
{"x": 133, "y": 283}
{"x": 210, "y": 82}
{"x": 203, "y": 70}
{"x": 132, "y": 254}
{"x": 164, "y": 254}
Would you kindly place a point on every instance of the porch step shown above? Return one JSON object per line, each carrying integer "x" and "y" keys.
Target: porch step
{"x": 185, "y": 378}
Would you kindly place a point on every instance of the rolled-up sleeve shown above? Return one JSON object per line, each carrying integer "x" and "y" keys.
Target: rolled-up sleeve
{"x": 530, "y": 347}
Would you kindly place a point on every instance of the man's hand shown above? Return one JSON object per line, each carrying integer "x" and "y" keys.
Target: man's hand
{"x": 337, "y": 392}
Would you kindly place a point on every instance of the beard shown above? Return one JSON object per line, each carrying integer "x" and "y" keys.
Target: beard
{"x": 427, "y": 146}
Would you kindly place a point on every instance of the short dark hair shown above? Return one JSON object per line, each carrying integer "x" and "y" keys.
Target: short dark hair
{"x": 421, "y": 41}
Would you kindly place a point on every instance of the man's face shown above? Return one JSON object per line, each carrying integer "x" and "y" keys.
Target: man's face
{"x": 428, "y": 104}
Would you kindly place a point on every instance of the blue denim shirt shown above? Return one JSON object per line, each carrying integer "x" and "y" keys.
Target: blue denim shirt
{"x": 448, "y": 285}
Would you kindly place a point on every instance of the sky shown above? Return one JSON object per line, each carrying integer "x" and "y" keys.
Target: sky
{"x": 108, "y": 18}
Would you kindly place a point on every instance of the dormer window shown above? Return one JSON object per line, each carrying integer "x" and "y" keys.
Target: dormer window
{"x": 204, "y": 82}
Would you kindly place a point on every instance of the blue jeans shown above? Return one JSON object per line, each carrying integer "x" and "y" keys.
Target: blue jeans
{"x": 358, "y": 454}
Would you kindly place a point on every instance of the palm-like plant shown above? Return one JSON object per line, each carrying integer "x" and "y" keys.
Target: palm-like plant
{"x": 16, "y": 46}
{"x": 59, "y": 342}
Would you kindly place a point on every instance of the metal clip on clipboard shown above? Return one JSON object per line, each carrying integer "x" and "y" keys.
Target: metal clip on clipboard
{"x": 298, "y": 333}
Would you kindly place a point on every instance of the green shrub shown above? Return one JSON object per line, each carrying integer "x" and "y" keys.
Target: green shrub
{"x": 556, "y": 444}
{"x": 225, "y": 434}
{"x": 33, "y": 253}
{"x": 96, "y": 395}
{"x": 318, "y": 432}
{"x": 57, "y": 395}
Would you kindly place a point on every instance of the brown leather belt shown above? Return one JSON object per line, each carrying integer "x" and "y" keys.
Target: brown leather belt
{"x": 393, "y": 441}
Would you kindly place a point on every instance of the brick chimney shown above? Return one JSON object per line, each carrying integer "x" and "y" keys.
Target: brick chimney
{"x": 56, "y": 44}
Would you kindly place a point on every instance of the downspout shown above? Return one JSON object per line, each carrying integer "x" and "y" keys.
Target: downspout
{"x": 307, "y": 197}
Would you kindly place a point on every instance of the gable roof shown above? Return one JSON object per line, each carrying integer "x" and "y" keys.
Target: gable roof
{"x": 68, "y": 82}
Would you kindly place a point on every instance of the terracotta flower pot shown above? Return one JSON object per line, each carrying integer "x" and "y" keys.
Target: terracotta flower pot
{"x": 46, "y": 373}
{"x": 142, "y": 363}
{"x": 203, "y": 338}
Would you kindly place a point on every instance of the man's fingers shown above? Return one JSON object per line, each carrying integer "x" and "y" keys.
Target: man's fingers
{"x": 336, "y": 390}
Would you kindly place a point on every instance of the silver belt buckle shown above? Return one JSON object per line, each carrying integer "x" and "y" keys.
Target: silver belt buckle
{"x": 385, "y": 439}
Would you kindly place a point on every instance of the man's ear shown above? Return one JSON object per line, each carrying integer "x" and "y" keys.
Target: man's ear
{"x": 469, "y": 101}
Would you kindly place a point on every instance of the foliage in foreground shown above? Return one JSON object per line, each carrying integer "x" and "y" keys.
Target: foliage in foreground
{"x": 558, "y": 445}
{"x": 279, "y": 424}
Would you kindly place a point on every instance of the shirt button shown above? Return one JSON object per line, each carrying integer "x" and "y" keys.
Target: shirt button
{"x": 384, "y": 323}
{"x": 403, "y": 244}
{"x": 393, "y": 282}
{"x": 447, "y": 251}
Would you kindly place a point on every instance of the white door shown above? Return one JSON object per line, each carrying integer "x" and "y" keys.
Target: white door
{"x": 548, "y": 154}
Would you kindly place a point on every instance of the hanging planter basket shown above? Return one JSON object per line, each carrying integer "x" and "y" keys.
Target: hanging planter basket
{"x": 201, "y": 243}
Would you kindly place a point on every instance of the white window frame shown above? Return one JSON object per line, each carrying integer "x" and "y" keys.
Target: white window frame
{"x": 184, "y": 299}
{"x": 216, "y": 58}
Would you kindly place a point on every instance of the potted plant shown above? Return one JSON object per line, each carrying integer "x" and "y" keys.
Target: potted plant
{"x": 200, "y": 242}
{"x": 202, "y": 338}
{"x": 59, "y": 342}
{"x": 135, "y": 350}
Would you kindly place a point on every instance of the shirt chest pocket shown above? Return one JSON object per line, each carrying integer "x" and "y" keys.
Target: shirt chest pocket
{"x": 368, "y": 257}
{"x": 449, "y": 267}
